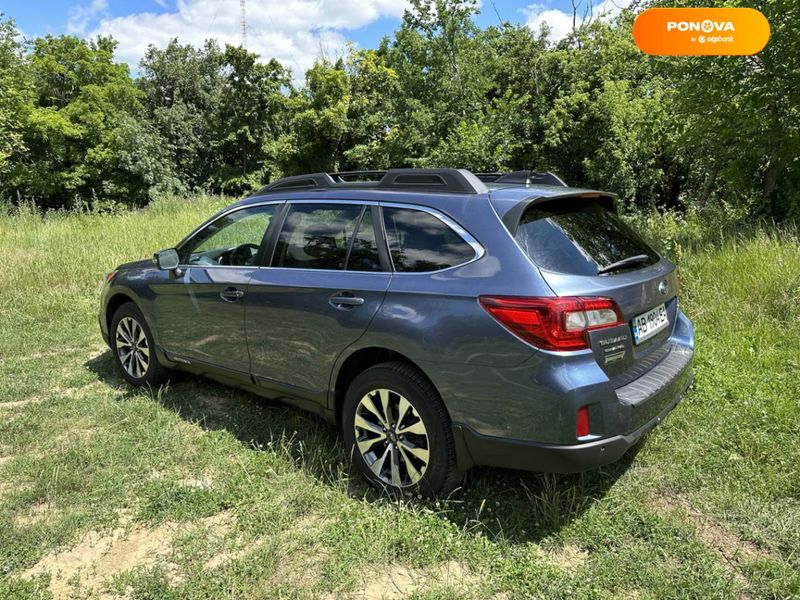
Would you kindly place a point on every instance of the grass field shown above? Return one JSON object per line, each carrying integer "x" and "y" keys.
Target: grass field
{"x": 199, "y": 491}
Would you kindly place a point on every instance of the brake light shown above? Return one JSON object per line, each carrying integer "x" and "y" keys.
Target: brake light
{"x": 553, "y": 323}
{"x": 582, "y": 426}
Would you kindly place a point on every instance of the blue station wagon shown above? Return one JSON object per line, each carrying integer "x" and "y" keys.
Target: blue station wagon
{"x": 440, "y": 319}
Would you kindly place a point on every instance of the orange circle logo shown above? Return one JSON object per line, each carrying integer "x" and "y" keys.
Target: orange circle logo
{"x": 701, "y": 31}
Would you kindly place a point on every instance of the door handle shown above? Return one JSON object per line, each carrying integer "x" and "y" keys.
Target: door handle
{"x": 345, "y": 300}
{"x": 231, "y": 294}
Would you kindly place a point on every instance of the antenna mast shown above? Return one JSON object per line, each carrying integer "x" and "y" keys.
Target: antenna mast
{"x": 243, "y": 22}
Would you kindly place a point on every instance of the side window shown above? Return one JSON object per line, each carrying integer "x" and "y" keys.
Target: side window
{"x": 419, "y": 241}
{"x": 232, "y": 240}
{"x": 364, "y": 249}
{"x": 317, "y": 236}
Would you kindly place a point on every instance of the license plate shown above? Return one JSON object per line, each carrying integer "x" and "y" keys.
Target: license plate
{"x": 650, "y": 323}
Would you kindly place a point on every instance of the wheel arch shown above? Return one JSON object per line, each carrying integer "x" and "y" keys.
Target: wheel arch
{"x": 113, "y": 304}
{"x": 359, "y": 361}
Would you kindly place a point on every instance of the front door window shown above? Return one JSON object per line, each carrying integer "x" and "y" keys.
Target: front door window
{"x": 231, "y": 240}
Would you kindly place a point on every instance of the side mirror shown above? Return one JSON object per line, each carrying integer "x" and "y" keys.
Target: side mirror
{"x": 167, "y": 260}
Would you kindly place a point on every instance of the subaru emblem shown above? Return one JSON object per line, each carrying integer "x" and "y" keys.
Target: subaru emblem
{"x": 663, "y": 286}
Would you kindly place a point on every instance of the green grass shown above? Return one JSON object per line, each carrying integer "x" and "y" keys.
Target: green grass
{"x": 199, "y": 491}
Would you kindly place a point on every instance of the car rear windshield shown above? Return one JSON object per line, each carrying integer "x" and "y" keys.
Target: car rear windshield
{"x": 580, "y": 237}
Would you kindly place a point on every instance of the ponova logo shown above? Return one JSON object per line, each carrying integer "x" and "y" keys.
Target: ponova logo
{"x": 701, "y": 31}
{"x": 706, "y": 26}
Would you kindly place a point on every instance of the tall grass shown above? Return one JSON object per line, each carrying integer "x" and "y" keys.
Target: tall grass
{"x": 53, "y": 262}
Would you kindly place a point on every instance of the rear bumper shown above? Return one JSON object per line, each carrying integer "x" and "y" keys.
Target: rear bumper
{"x": 473, "y": 448}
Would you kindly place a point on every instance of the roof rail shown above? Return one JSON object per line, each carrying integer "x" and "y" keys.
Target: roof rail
{"x": 420, "y": 180}
{"x": 523, "y": 177}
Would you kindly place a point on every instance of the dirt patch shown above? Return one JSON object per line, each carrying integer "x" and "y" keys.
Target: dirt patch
{"x": 734, "y": 551}
{"x": 18, "y": 404}
{"x": 399, "y": 581}
{"x": 80, "y": 392}
{"x": 300, "y": 558}
{"x": 206, "y": 483}
{"x": 218, "y": 405}
{"x": 79, "y": 435}
{"x": 568, "y": 558}
{"x": 59, "y": 391}
{"x": 36, "y": 513}
{"x": 714, "y": 535}
{"x": 97, "y": 557}
{"x": 396, "y": 581}
{"x": 189, "y": 430}
{"x": 228, "y": 556}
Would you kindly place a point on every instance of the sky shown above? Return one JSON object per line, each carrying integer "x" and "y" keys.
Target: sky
{"x": 293, "y": 31}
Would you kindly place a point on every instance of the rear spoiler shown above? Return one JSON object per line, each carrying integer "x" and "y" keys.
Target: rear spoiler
{"x": 512, "y": 217}
{"x": 523, "y": 177}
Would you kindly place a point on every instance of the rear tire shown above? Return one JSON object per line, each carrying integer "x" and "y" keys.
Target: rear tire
{"x": 134, "y": 349}
{"x": 398, "y": 432}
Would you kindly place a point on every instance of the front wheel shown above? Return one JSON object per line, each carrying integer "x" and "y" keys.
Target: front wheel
{"x": 399, "y": 433}
{"x": 133, "y": 347}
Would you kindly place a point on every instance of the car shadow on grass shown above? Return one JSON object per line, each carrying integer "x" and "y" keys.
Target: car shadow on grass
{"x": 514, "y": 506}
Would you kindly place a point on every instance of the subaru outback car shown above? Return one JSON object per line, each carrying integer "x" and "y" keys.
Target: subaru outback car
{"x": 440, "y": 319}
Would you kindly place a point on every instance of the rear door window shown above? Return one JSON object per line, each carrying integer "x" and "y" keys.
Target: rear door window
{"x": 579, "y": 237}
{"x": 419, "y": 241}
{"x": 328, "y": 236}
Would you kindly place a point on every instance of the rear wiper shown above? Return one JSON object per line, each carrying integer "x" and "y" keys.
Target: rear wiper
{"x": 625, "y": 262}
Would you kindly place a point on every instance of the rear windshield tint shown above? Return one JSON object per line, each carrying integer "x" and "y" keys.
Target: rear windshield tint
{"x": 579, "y": 237}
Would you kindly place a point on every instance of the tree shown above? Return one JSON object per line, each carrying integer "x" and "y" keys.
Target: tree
{"x": 183, "y": 88}
{"x": 439, "y": 60}
{"x": 371, "y": 111}
{"x": 249, "y": 122}
{"x": 343, "y": 115}
{"x": 740, "y": 118}
{"x": 319, "y": 124}
{"x": 85, "y": 107}
{"x": 15, "y": 95}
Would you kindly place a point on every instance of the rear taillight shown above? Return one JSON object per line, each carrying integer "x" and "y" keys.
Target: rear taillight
{"x": 554, "y": 323}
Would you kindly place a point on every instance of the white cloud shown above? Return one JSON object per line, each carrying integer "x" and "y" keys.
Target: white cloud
{"x": 293, "y": 31}
{"x": 81, "y": 14}
{"x": 560, "y": 22}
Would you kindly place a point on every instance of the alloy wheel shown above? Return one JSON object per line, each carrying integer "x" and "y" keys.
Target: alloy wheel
{"x": 132, "y": 347}
{"x": 392, "y": 438}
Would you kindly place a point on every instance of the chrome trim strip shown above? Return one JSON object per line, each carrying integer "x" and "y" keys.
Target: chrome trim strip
{"x": 479, "y": 250}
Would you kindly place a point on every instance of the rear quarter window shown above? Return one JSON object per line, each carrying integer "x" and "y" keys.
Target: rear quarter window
{"x": 578, "y": 237}
{"x": 419, "y": 241}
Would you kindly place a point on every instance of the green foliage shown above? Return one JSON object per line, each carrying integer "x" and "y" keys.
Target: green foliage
{"x": 739, "y": 117}
{"x": 250, "y": 118}
{"x": 182, "y": 89}
{"x": 80, "y": 131}
{"x": 674, "y": 134}
{"x": 15, "y": 92}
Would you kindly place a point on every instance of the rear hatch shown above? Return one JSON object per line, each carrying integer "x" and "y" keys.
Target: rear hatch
{"x": 583, "y": 248}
